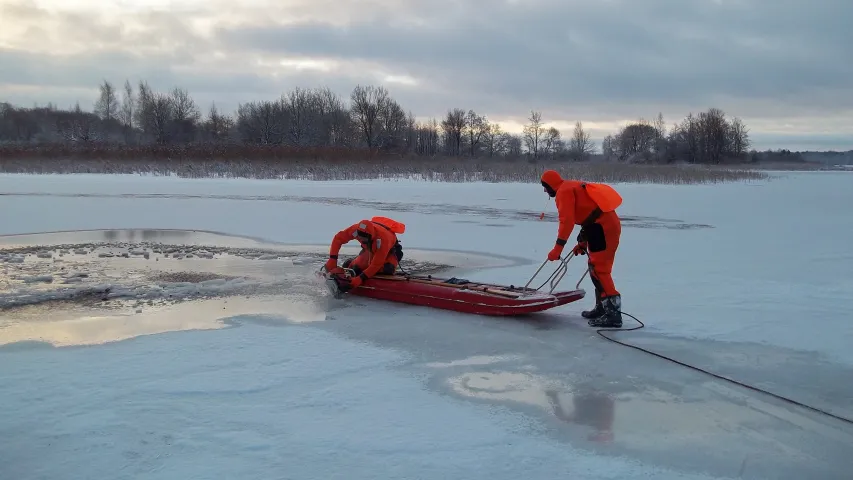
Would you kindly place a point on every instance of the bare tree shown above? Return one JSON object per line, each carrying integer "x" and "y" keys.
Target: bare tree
{"x": 660, "y": 138}
{"x": 453, "y": 125}
{"x": 685, "y": 138}
{"x": 552, "y": 142}
{"x": 367, "y": 104}
{"x": 533, "y": 133}
{"x": 107, "y": 105}
{"x": 635, "y": 141}
{"x": 261, "y": 122}
{"x": 607, "y": 147}
{"x": 580, "y": 146}
{"x": 144, "y": 109}
{"x": 331, "y": 119}
{"x": 739, "y": 138}
{"x": 162, "y": 118}
{"x": 714, "y": 135}
{"x": 411, "y": 132}
{"x": 513, "y": 145}
{"x": 298, "y": 104}
{"x": 708, "y": 138}
{"x": 476, "y": 127}
{"x": 495, "y": 140}
{"x": 319, "y": 118}
{"x": 82, "y": 125}
{"x": 184, "y": 115}
{"x": 393, "y": 126}
{"x": 217, "y": 126}
{"x": 126, "y": 113}
{"x": 107, "y": 109}
{"x": 427, "y": 138}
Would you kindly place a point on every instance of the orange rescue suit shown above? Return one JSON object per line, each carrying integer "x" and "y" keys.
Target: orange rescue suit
{"x": 378, "y": 238}
{"x": 593, "y": 207}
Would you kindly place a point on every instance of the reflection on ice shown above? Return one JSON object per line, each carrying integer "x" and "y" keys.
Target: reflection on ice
{"x": 502, "y": 386}
{"x": 593, "y": 409}
{"x": 475, "y": 360}
{"x": 89, "y": 326}
{"x": 639, "y": 416}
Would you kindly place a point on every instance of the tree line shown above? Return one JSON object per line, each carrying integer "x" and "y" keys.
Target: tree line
{"x": 370, "y": 119}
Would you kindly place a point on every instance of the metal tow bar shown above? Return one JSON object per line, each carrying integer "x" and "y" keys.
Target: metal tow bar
{"x": 557, "y": 276}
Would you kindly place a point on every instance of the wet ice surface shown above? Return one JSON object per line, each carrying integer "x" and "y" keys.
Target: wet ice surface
{"x": 152, "y": 270}
{"x": 265, "y": 402}
{"x": 617, "y": 402}
{"x": 363, "y": 389}
{"x": 96, "y": 286}
{"x": 477, "y": 214}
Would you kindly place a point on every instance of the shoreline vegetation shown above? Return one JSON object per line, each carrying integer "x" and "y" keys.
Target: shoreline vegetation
{"x": 315, "y": 134}
{"x": 327, "y": 164}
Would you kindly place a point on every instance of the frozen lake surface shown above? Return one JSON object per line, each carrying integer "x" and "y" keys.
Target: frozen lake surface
{"x": 172, "y": 328}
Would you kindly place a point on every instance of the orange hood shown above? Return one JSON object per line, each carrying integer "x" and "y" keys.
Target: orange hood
{"x": 365, "y": 228}
{"x": 551, "y": 180}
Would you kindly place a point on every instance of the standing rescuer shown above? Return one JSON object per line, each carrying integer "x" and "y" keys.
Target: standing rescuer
{"x": 593, "y": 207}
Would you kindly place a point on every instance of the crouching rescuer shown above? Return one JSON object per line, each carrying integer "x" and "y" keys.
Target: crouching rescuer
{"x": 381, "y": 251}
{"x": 593, "y": 207}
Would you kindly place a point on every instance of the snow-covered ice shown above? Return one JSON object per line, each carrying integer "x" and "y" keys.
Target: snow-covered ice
{"x": 172, "y": 328}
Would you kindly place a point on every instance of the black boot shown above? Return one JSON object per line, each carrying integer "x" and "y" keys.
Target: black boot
{"x": 612, "y": 317}
{"x": 598, "y": 311}
{"x": 595, "y": 312}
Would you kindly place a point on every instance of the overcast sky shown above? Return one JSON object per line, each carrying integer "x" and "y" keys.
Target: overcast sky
{"x": 785, "y": 67}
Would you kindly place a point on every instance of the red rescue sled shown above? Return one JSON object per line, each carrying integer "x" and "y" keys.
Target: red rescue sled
{"x": 462, "y": 295}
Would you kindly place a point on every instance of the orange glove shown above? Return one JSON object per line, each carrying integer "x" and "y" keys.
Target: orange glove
{"x": 331, "y": 264}
{"x": 555, "y": 252}
{"x": 355, "y": 282}
{"x": 580, "y": 249}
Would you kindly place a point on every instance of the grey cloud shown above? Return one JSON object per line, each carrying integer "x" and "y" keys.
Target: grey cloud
{"x": 94, "y": 30}
{"x": 571, "y": 59}
{"x": 89, "y": 71}
{"x": 591, "y": 54}
{"x": 165, "y": 52}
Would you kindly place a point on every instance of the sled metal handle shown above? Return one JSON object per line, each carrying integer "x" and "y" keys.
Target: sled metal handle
{"x": 526, "y": 285}
{"x": 559, "y": 273}
{"x": 585, "y": 272}
{"x": 556, "y": 277}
